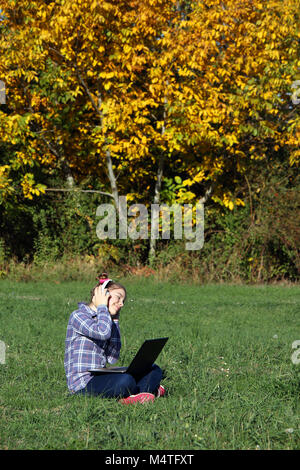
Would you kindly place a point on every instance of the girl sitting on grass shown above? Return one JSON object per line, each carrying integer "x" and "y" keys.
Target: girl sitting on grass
{"x": 93, "y": 339}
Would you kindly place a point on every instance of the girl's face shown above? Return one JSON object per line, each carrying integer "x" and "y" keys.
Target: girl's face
{"x": 116, "y": 300}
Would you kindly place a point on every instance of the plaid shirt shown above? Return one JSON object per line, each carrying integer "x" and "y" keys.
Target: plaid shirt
{"x": 93, "y": 339}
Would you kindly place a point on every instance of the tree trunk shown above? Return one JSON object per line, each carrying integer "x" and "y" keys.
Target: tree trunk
{"x": 157, "y": 190}
{"x": 156, "y": 200}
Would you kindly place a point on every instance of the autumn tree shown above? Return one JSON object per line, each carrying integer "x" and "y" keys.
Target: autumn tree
{"x": 142, "y": 92}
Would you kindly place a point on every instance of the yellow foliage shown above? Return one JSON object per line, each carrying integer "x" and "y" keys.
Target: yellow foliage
{"x": 4, "y": 179}
{"x": 29, "y": 187}
{"x": 143, "y": 79}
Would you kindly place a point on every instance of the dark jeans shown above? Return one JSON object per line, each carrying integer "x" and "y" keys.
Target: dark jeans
{"x": 122, "y": 385}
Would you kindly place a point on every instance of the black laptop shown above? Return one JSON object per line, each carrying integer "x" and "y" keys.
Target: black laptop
{"x": 141, "y": 363}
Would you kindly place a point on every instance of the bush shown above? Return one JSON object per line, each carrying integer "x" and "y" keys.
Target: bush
{"x": 255, "y": 243}
{"x": 56, "y": 235}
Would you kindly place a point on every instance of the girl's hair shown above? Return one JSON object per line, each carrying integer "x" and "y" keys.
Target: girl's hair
{"x": 111, "y": 285}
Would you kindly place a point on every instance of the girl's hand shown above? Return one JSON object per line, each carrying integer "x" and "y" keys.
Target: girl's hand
{"x": 100, "y": 296}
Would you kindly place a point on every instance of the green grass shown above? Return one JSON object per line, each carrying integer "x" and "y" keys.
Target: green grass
{"x": 228, "y": 370}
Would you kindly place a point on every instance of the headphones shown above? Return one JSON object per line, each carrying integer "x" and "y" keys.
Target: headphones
{"x": 104, "y": 284}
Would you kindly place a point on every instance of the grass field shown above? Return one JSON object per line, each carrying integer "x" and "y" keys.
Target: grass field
{"x": 228, "y": 369}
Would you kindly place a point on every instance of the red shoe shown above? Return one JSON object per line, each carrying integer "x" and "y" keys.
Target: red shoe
{"x": 140, "y": 397}
{"x": 161, "y": 391}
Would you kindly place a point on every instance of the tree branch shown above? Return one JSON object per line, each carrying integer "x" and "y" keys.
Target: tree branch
{"x": 94, "y": 104}
{"x": 80, "y": 190}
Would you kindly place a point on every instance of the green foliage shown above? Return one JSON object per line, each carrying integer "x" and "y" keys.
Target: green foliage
{"x": 170, "y": 189}
{"x": 255, "y": 243}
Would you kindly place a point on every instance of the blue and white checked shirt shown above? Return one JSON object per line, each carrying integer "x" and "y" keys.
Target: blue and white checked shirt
{"x": 92, "y": 340}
